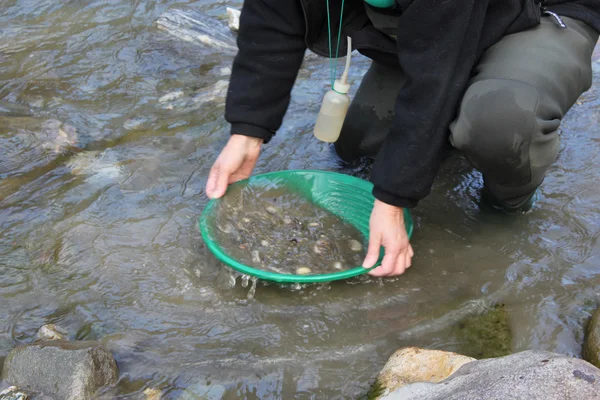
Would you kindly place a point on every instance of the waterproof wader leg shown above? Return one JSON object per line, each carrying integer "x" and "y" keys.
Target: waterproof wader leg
{"x": 507, "y": 124}
{"x": 370, "y": 114}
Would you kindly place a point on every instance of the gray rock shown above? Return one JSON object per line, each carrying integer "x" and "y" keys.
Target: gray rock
{"x": 531, "y": 375}
{"x": 591, "y": 347}
{"x": 63, "y": 369}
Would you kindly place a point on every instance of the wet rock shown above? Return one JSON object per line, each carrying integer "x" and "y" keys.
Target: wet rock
{"x": 203, "y": 391}
{"x": 13, "y": 393}
{"x": 233, "y": 19}
{"x": 215, "y": 93}
{"x": 196, "y": 27}
{"x": 58, "y": 136}
{"x": 14, "y": 110}
{"x": 51, "y": 332}
{"x": 171, "y": 96}
{"x": 531, "y": 375}
{"x": 63, "y": 369}
{"x": 591, "y": 347}
{"x": 152, "y": 394}
{"x": 134, "y": 123}
{"x": 412, "y": 364}
{"x": 102, "y": 167}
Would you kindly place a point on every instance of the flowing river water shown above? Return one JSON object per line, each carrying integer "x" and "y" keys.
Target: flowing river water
{"x": 103, "y": 240}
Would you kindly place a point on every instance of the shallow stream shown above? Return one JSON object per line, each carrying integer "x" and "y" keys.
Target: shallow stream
{"x": 104, "y": 240}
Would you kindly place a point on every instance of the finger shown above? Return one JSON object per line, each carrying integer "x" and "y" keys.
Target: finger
{"x": 389, "y": 262}
{"x": 373, "y": 250}
{"x": 399, "y": 265}
{"x": 233, "y": 178}
{"x": 410, "y": 250}
{"x": 212, "y": 180}
{"x": 220, "y": 180}
{"x": 408, "y": 260}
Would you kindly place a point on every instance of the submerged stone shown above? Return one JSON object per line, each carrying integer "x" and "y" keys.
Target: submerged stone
{"x": 63, "y": 369}
{"x": 484, "y": 335}
{"x": 13, "y": 393}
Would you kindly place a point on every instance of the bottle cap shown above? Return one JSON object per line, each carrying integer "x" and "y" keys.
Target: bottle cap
{"x": 341, "y": 87}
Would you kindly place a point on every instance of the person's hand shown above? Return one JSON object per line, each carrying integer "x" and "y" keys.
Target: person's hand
{"x": 387, "y": 229}
{"x": 236, "y": 162}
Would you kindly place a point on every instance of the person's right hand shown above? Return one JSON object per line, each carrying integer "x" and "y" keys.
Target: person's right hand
{"x": 235, "y": 163}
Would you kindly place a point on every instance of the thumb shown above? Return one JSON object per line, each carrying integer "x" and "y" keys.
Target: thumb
{"x": 217, "y": 181}
{"x": 373, "y": 250}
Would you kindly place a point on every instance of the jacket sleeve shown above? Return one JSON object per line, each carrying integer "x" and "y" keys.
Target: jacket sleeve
{"x": 437, "y": 44}
{"x": 271, "y": 49}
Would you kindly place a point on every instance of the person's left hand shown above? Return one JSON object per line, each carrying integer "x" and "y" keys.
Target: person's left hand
{"x": 387, "y": 229}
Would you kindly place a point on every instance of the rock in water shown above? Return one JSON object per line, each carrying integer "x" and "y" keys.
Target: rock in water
{"x": 63, "y": 369}
{"x": 152, "y": 394}
{"x": 412, "y": 364}
{"x": 531, "y": 375}
{"x": 195, "y": 27}
{"x": 58, "y": 136}
{"x": 591, "y": 347}
{"x": 51, "y": 332}
{"x": 215, "y": 94}
{"x": 14, "y": 110}
{"x": 233, "y": 18}
{"x": 485, "y": 334}
{"x": 13, "y": 393}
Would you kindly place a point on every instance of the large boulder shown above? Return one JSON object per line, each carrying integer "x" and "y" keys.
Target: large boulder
{"x": 412, "y": 364}
{"x": 531, "y": 375}
{"x": 62, "y": 369}
{"x": 591, "y": 347}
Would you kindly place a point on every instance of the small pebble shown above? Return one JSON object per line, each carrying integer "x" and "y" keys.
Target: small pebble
{"x": 337, "y": 265}
{"x": 255, "y": 256}
{"x": 287, "y": 220}
{"x": 355, "y": 245}
{"x": 170, "y": 96}
{"x": 134, "y": 123}
{"x": 316, "y": 249}
{"x": 303, "y": 271}
{"x": 313, "y": 224}
{"x": 246, "y": 220}
{"x": 264, "y": 243}
{"x": 271, "y": 210}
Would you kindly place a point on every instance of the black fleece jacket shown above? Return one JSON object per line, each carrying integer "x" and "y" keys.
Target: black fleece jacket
{"x": 438, "y": 44}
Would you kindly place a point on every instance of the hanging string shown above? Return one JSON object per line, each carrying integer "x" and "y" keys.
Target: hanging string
{"x": 333, "y": 63}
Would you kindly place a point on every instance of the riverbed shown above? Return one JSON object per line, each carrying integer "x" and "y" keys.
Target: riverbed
{"x": 103, "y": 240}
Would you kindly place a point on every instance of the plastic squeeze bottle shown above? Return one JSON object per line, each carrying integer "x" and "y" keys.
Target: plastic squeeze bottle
{"x": 334, "y": 107}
